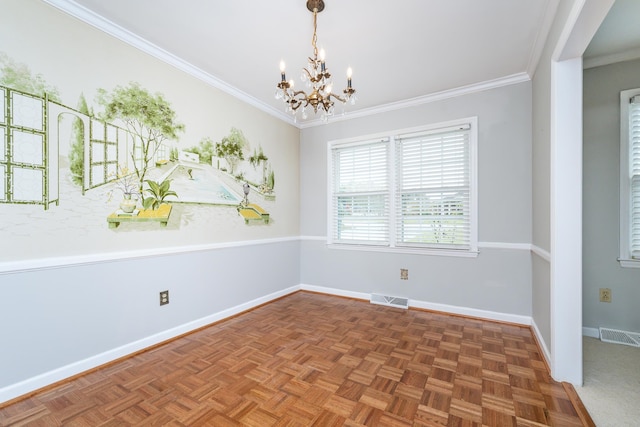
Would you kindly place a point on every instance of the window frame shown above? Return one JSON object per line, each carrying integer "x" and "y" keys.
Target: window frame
{"x": 625, "y": 252}
{"x": 392, "y": 137}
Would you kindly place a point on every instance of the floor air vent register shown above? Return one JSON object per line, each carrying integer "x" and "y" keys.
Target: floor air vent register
{"x": 390, "y": 301}
{"x": 619, "y": 337}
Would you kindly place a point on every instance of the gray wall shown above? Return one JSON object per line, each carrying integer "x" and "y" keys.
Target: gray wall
{"x": 499, "y": 279}
{"x": 541, "y": 197}
{"x": 52, "y": 318}
{"x": 541, "y": 176}
{"x": 601, "y": 220}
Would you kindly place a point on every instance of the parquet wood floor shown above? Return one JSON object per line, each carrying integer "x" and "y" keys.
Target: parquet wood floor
{"x": 317, "y": 360}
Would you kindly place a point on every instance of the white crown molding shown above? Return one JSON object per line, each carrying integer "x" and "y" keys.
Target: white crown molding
{"x": 541, "y": 37}
{"x": 85, "y": 15}
{"x": 598, "y": 61}
{"x": 426, "y": 99}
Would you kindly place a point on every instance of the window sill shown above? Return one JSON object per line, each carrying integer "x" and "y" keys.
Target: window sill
{"x": 629, "y": 263}
{"x": 403, "y": 250}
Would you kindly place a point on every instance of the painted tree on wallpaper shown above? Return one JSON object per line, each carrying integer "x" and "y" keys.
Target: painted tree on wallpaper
{"x": 128, "y": 145}
{"x": 267, "y": 185}
{"x": 204, "y": 150}
{"x": 149, "y": 117}
{"x": 259, "y": 159}
{"x": 18, "y": 76}
{"x": 76, "y": 149}
{"x": 231, "y": 148}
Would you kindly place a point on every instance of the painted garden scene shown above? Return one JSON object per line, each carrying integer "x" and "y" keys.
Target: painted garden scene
{"x": 119, "y": 162}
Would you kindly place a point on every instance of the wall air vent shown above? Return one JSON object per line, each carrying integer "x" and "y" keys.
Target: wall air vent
{"x": 619, "y": 337}
{"x": 390, "y": 301}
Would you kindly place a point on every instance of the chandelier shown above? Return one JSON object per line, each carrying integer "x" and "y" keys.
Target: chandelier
{"x": 317, "y": 79}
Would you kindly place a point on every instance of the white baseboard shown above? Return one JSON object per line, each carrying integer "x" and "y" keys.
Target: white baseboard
{"x": 335, "y": 291}
{"x": 545, "y": 351}
{"x": 472, "y": 312}
{"x": 590, "y": 332}
{"x": 29, "y": 385}
{"x": 464, "y": 311}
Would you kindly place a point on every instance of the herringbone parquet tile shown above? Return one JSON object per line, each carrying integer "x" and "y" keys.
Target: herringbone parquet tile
{"x": 317, "y": 360}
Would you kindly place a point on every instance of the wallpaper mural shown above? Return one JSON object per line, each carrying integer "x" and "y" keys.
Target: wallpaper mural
{"x": 117, "y": 168}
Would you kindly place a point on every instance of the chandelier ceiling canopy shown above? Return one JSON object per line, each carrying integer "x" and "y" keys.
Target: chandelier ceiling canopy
{"x": 317, "y": 78}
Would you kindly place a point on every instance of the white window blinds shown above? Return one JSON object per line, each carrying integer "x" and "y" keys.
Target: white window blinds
{"x": 634, "y": 174}
{"x": 360, "y": 193}
{"x": 433, "y": 189}
{"x": 411, "y": 191}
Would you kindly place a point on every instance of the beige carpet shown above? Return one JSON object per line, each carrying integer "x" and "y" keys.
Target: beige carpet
{"x": 611, "y": 390}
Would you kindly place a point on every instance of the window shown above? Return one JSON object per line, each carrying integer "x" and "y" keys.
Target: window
{"x": 361, "y": 193}
{"x": 630, "y": 178}
{"x": 411, "y": 190}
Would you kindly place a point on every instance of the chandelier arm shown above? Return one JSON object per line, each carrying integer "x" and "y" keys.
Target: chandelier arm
{"x": 300, "y": 92}
{"x": 309, "y": 76}
{"x": 296, "y": 102}
{"x": 339, "y": 98}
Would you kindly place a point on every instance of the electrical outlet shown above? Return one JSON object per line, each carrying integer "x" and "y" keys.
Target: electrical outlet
{"x": 404, "y": 274}
{"x": 164, "y": 297}
{"x": 605, "y": 295}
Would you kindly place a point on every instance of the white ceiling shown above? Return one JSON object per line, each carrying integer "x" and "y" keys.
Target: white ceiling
{"x": 401, "y": 52}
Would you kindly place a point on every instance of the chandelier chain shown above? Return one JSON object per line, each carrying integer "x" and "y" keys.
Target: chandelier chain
{"x": 314, "y": 39}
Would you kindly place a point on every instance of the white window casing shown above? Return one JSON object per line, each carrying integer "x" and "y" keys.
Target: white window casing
{"x": 630, "y": 178}
{"x": 413, "y": 190}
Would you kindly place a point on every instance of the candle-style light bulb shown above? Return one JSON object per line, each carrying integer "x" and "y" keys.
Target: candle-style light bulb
{"x": 322, "y": 65}
{"x": 349, "y": 74}
{"x": 282, "y": 68}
